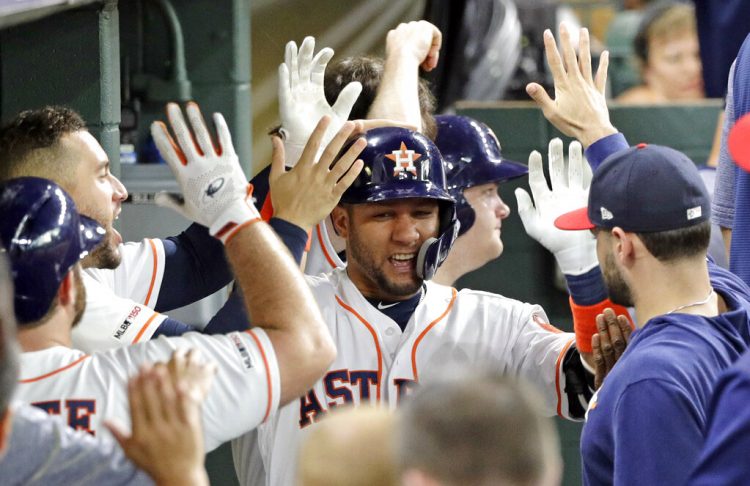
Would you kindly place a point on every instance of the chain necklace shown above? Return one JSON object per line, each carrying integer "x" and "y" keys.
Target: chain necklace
{"x": 700, "y": 302}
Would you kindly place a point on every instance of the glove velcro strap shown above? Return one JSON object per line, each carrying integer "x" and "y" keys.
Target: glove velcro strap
{"x": 577, "y": 260}
{"x": 584, "y": 321}
{"x": 238, "y": 215}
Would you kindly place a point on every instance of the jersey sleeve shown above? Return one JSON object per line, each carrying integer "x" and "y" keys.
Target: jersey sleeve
{"x": 656, "y": 434}
{"x": 110, "y": 321}
{"x": 245, "y": 390}
{"x": 538, "y": 351}
{"x": 139, "y": 275}
{"x": 44, "y": 450}
{"x": 723, "y": 459}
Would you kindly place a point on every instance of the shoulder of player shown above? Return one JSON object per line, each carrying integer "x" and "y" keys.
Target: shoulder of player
{"x": 469, "y": 297}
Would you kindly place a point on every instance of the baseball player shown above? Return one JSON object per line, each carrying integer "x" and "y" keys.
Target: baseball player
{"x": 474, "y": 168}
{"x": 129, "y": 285}
{"x": 393, "y": 326}
{"x": 258, "y": 369}
{"x": 694, "y": 317}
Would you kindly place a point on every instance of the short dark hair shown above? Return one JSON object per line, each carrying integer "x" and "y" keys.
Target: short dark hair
{"x": 369, "y": 71}
{"x": 24, "y": 139}
{"x": 471, "y": 428}
{"x": 8, "y": 344}
{"x": 676, "y": 244}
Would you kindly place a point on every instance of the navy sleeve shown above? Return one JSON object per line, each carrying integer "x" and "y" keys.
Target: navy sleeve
{"x": 604, "y": 147}
{"x": 171, "y": 327}
{"x": 657, "y": 434}
{"x": 195, "y": 263}
{"x": 195, "y": 266}
{"x": 232, "y": 316}
{"x": 587, "y": 289}
{"x": 294, "y": 237}
{"x": 739, "y": 253}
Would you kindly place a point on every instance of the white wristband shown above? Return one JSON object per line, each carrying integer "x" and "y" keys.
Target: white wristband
{"x": 577, "y": 260}
{"x": 233, "y": 218}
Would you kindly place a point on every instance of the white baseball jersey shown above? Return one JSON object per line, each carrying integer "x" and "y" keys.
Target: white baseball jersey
{"x": 119, "y": 303}
{"x": 87, "y": 389}
{"x": 377, "y": 363}
{"x": 322, "y": 257}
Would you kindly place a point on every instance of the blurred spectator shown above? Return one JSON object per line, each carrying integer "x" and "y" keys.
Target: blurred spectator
{"x": 666, "y": 47}
{"x": 351, "y": 447}
{"x": 476, "y": 429}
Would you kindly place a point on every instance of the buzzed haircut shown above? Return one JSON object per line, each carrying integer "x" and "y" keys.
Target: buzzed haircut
{"x": 369, "y": 72}
{"x": 9, "y": 355}
{"x": 30, "y": 142}
{"x": 477, "y": 429}
{"x": 689, "y": 242}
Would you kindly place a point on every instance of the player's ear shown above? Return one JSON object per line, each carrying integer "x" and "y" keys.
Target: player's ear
{"x": 66, "y": 292}
{"x": 6, "y": 425}
{"x": 624, "y": 244}
{"x": 341, "y": 221}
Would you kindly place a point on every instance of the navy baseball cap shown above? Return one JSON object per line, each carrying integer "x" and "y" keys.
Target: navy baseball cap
{"x": 44, "y": 237}
{"x": 644, "y": 189}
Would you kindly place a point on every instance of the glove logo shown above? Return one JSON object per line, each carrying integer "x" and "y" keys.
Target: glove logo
{"x": 404, "y": 161}
{"x": 214, "y": 187}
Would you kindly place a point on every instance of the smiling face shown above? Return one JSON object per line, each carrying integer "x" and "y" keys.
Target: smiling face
{"x": 97, "y": 193}
{"x": 382, "y": 242}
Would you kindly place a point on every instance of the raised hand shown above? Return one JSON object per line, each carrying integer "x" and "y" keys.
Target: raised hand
{"x": 419, "y": 39}
{"x": 308, "y": 192}
{"x": 215, "y": 191}
{"x": 579, "y": 109}
{"x": 302, "y": 100}
{"x": 575, "y": 251}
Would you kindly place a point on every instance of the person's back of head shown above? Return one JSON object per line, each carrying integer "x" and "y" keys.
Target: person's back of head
{"x": 351, "y": 447}
{"x": 45, "y": 239}
{"x": 30, "y": 144}
{"x": 369, "y": 72}
{"x": 475, "y": 430}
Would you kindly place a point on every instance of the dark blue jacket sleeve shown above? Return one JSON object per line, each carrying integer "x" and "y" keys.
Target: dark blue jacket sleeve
{"x": 232, "y": 316}
{"x": 195, "y": 263}
{"x": 739, "y": 253}
{"x": 195, "y": 266}
{"x": 598, "y": 151}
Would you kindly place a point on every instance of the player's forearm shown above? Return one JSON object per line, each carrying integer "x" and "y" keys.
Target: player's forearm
{"x": 398, "y": 96}
{"x": 279, "y": 301}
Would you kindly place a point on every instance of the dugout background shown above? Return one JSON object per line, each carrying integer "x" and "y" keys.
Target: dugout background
{"x": 118, "y": 62}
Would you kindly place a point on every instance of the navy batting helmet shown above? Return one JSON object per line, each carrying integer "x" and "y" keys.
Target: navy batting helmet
{"x": 402, "y": 164}
{"x": 44, "y": 237}
{"x": 472, "y": 157}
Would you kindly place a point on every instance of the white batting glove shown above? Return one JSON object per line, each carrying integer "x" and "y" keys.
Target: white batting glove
{"x": 302, "y": 100}
{"x": 575, "y": 251}
{"x": 215, "y": 190}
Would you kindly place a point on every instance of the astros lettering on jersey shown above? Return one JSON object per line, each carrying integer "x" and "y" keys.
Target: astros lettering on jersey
{"x": 378, "y": 364}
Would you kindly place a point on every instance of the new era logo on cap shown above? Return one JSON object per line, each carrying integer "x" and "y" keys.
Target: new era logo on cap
{"x": 606, "y": 214}
{"x": 693, "y": 213}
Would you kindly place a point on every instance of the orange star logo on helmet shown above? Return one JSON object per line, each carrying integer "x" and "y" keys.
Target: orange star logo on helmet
{"x": 404, "y": 159}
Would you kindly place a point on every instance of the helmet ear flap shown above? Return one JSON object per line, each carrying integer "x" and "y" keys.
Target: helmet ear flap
{"x": 464, "y": 211}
